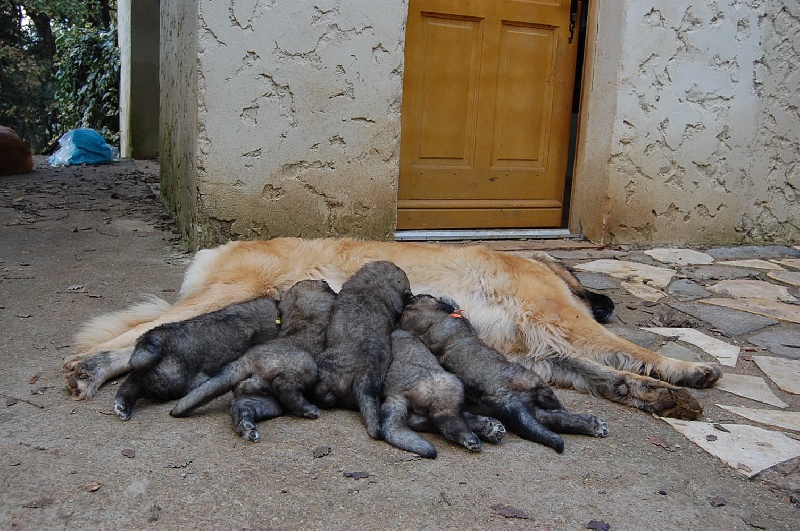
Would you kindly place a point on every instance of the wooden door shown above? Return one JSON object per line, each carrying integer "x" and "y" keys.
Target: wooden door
{"x": 487, "y": 95}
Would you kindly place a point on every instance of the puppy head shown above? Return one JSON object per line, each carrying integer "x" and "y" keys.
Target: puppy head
{"x": 424, "y": 312}
{"x": 384, "y": 277}
{"x": 307, "y": 296}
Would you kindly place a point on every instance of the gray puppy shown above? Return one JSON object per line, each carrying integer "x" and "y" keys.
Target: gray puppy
{"x": 493, "y": 385}
{"x": 419, "y": 393}
{"x": 271, "y": 377}
{"x": 358, "y": 345}
{"x": 174, "y": 358}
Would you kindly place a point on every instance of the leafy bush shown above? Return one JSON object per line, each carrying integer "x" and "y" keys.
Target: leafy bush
{"x": 26, "y": 88}
{"x": 87, "y": 81}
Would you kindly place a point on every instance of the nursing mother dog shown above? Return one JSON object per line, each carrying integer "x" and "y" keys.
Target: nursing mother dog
{"x": 530, "y": 310}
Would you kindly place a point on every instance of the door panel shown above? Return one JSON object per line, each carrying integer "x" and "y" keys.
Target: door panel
{"x": 486, "y": 112}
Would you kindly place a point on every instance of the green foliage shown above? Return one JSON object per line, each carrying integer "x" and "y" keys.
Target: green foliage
{"x": 59, "y": 69}
{"x": 25, "y": 95}
{"x": 87, "y": 81}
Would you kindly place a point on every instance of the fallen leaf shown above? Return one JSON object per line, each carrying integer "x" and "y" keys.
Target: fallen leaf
{"x": 92, "y": 487}
{"x": 322, "y": 451}
{"x": 716, "y": 501}
{"x": 660, "y": 441}
{"x": 33, "y": 379}
{"x": 597, "y": 525}
{"x": 40, "y": 390}
{"x": 357, "y": 475}
{"x": 129, "y": 453}
{"x": 720, "y": 427}
{"x": 507, "y": 511}
{"x": 39, "y": 504}
{"x": 11, "y": 402}
{"x": 711, "y": 438}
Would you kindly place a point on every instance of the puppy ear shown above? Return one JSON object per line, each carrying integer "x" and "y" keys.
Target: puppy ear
{"x": 448, "y": 304}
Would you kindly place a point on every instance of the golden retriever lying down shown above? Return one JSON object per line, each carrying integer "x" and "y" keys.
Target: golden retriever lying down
{"x": 531, "y": 310}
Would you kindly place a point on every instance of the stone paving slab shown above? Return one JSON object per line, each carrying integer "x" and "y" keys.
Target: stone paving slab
{"x": 732, "y": 323}
{"x": 752, "y": 289}
{"x": 783, "y": 342}
{"x": 627, "y": 270}
{"x": 748, "y": 449}
{"x": 725, "y": 353}
{"x": 775, "y": 310}
{"x": 785, "y": 373}
{"x": 680, "y": 257}
{"x": 686, "y": 290}
{"x": 787, "y": 277}
{"x": 752, "y": 251}
{"x": 752, "y": 387}
{"x": 719, "y": 272}
{"x": 789, "y": 420}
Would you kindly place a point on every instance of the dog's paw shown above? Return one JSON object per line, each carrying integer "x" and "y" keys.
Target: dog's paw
{"x": 493, "y": 431}
{"x": 79, "y": 374}
{"x": 677, "y": 403}
{"x": 122, "y": 410}
{"x": 601, "y": 428}
{"x": 472, "y": 443}
{"x": 248, "y": 431}
{"x": 703, "y": 376}
{"x": 308, "y": 412}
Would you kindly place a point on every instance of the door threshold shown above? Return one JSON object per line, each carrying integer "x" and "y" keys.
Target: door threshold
{"x": 483, "y": 234}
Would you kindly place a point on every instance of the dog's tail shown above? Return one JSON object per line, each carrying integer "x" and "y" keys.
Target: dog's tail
{"x": 224, "y": 381}
{"x": 147, "y": 353}
{"x": 106, "y": 327}
{"x": 394, "y": 424}
{"x": 602, "y": 306}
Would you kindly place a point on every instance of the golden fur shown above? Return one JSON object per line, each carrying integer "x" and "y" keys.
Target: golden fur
{"x": 526, "y": 309}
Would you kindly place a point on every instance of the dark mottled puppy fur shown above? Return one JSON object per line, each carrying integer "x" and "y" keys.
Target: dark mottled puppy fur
{"x": 494, "y": 386}
{"x": 358, "y": 345}
{"x": 172, "y": 359}
{"x": 271, "y": 377}
{"x": 418, "y": 387}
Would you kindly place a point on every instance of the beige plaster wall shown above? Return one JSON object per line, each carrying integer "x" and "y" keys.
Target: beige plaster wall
{"x": 691, "y": 123}
{"x": 297, "y": 128}
{"x": 178, "y": 101}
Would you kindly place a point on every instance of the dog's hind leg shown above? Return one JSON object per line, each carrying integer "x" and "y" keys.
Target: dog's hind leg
{"x": 88, "y": 374}
{"x": 515, "y": 415}
{"x": 648, "y": 394}
{"x": 563, "y": 421}
{"x": 221, "y": 383}
{"x": 247, "y": 410}
{"x": 394, "y": 425}
{"x": 487, "y": 428}
{"x": 454, "y": 429}
{"x": 127, "y": 395}
{"x": 289, "y": 393}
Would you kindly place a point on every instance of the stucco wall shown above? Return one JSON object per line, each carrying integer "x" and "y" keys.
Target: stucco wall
{"x": 178, "y": 131}
{"x": 701, "y": 109}
{"x": 298, "y": 117}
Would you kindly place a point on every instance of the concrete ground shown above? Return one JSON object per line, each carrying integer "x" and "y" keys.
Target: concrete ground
{"x": 78, "y": 242}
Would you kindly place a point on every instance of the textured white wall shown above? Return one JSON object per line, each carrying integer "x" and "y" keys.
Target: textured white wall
{"x": 298, "y": 118}
{"x": 703, "y": 123}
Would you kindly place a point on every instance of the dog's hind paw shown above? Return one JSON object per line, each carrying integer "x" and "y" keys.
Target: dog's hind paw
{"x": 493, "y": 431}
{"x": 122, "y": 411}
{"x": 601, "y": 428}
{"x": 248, "y": 431}
{"x": 677, "y": 403}
{"x": 80, "y": 376}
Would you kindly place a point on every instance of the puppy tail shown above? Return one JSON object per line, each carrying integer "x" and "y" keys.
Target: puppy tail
{"x": 367, "y": 395}
{"x": 106, "y": 327}
{"x": 394, "y": 425}
{"x": 224, "y": 381}
{"x": 147, "y": 353}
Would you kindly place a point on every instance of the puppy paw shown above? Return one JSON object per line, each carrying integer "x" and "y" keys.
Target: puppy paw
{"x": 122, "y": 410}
{"x": 493, "y": 431}
{"x": 310, "y": 413}
{"x": 472, "y": 443}
{"x": 80, "y": 375}
{"x": 703, "y": 376}
{"x": 248, "y": 431}
{"x": 601, "y": 428}
{"x": 677, "y": 403}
